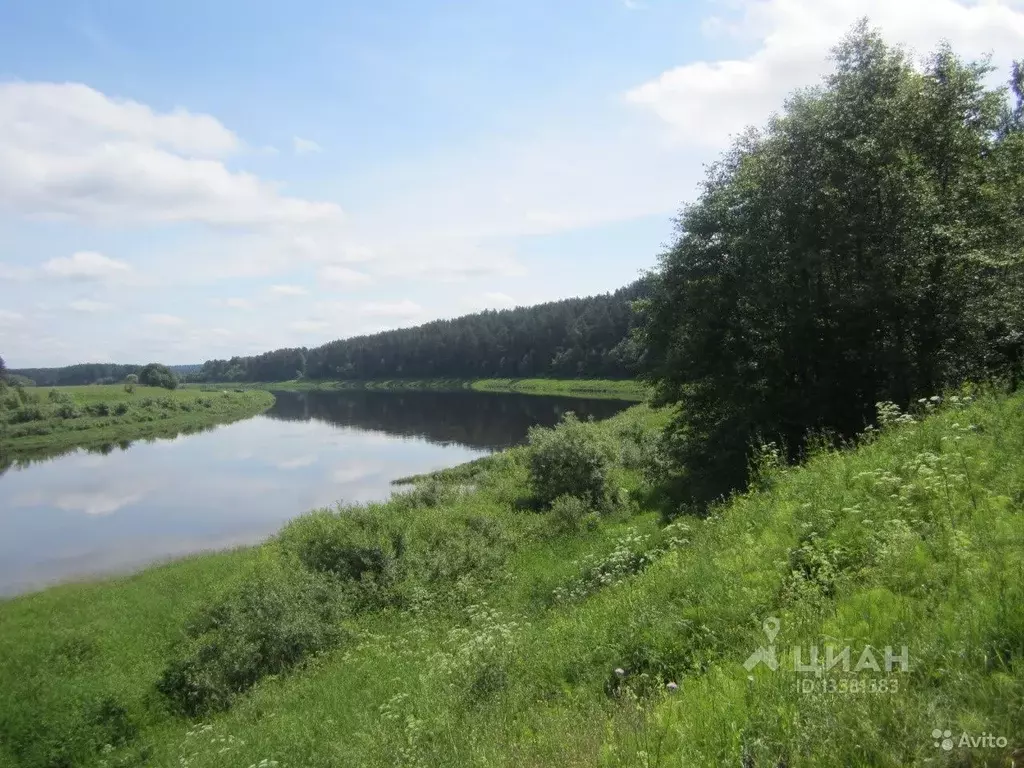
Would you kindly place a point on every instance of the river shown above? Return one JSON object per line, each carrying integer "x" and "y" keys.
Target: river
{"x": 90, "y": 513}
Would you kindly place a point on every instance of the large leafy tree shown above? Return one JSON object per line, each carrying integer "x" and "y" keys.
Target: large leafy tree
{"x": 157, "y": 375}
{"x": 864, "y": 246}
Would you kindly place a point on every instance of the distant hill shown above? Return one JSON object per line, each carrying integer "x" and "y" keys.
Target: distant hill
{"x": 579, "y": 337}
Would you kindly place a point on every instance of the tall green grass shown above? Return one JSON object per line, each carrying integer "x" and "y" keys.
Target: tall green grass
{"x": 490, "y": 633}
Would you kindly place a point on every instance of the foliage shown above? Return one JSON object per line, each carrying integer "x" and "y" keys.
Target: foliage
{"x": 271, "y": 621}
{"x": 157, "y": 375}
{"x": 571, "y": 338}
{"x": 54, "y": 421}
{"x": 864, "y": 246}
{"x": 570, "y": 460}
{"x": 352, "y": 545}
{"x": 131, "y": 381}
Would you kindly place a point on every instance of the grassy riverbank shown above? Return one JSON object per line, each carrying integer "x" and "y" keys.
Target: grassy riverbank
{"x": 487, "y": 629}
{"x": 626, "y": 389}
{"x": 40, "y": 422}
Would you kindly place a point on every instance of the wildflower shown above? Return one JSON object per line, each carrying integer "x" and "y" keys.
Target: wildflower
{"x": 620, "y": 672}
{"x": 671, "y": 687}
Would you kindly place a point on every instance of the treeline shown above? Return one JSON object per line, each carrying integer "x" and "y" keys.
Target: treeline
{"x": 89, "y": 373}
{"x": 580, "y": 337}
{"x": 865, "y": 246}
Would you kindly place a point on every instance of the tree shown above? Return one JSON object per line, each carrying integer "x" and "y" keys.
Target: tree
{"x": 157, "y": 375}
{"x": 3, "y": 373}
{"x": 864, "y": 246}
{"x": 130, "y": 382}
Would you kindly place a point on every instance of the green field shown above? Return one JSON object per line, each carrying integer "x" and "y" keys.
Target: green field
{"x": 617, "y": 389}
{"x": 37, "y": 422}
{"x": 487, "y": 630}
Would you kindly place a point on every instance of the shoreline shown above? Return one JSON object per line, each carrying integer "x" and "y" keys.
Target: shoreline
{"x": 148, "y": 413}
{"x": 606, "y": 389}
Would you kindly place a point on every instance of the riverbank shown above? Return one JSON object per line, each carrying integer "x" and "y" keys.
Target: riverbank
{"x": 463, "y": 623}
{"x": 42, "y": 422}
{"x": 614, "y": 389}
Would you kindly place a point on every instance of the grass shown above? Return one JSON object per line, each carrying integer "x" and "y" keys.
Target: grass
{"x": 492, "y": 636}
{"x": 59, "y": 419}
{"x": 593, "y": 388}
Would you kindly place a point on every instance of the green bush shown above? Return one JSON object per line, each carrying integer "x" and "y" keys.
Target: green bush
{"x": 67, "y": 411}
{"x": 273, "y": 620}
{"x": 444, "y": 550}
{"x": 98, "y": 409}
{"x": 120, "y": 409}
{"x": 572, "y": 459}
{"x": 352, "y": 545}
{"x": 27, "y": 413}
{"x": 570, "y": 514}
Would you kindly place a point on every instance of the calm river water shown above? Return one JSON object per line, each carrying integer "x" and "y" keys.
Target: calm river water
{"x": 89, "y": 513}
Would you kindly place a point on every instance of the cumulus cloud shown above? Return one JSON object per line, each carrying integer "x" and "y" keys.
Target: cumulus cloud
{"x": 85, "y": 265}
{"x": 305, "y": 146}
{"x": 705, "y": 102}
{"x": 237, "y": 303}
{"x": 90, "y": 306}
{"x": 68, "y": 150}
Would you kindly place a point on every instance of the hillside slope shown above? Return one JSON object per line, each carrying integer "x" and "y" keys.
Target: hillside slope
{"x": 512, "y": 637}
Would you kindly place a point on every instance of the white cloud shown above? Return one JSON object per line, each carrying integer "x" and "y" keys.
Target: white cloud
{"x": 707, "y": 101}
{"x": 88, "y": 305}
{"x": 170, "y": 321}
{"x": 339, "y": 275}
{"x": 288, "y": 290}
{"x": 68, "y": 150}
{"x": 305, "y": 146}
{"x": 237, "y": 303}
{"x": 85, "y": 265}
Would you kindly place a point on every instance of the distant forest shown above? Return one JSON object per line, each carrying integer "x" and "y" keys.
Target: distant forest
{"x": 572, "y": 338}
{"x": 581, "y": 337}
{"x": 89, "y": 373}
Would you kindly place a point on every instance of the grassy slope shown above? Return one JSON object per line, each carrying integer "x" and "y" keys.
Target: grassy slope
{"x": 915, "y": 539}
{"x": 598, "y": 388}
{"x": 152, "y": 412}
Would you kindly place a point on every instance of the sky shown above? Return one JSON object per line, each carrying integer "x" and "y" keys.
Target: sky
{"x": 187, "y": 180}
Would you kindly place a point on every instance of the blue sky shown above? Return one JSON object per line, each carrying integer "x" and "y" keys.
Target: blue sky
{"x": 187, "y": 180}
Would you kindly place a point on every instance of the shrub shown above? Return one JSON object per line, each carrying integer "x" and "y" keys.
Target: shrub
{"x": 120, "y": 409}
{"x": 267, "y": 624}
{"x": 98, "y": 409}
{"x": 572, "y": 459}
{"x": 352, "y": 545}
{"x": 56, "y": 396}
{"x": 444, "y": 550}
{"x": 27, "y": 413}
{"x": 570, "y": 514}
{"x": 67, "y": 411}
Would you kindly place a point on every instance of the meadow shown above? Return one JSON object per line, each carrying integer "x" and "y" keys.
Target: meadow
{"x": 545, "y": 607}
{"x": 36, "y": 422}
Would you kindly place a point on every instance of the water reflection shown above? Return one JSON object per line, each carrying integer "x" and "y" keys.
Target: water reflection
{"x": 119, "y": 507}
{"x": 473, "y": 419}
